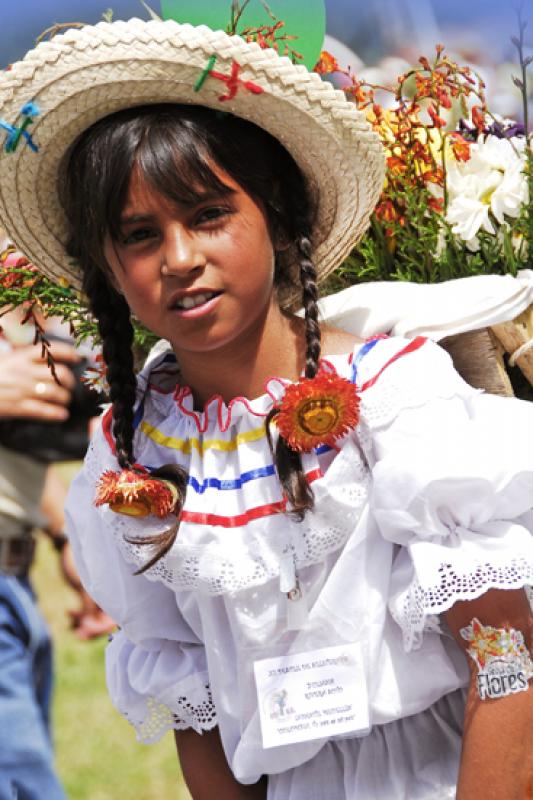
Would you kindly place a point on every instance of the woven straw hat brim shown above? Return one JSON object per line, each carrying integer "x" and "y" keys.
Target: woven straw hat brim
{"x": 88, "y": 73}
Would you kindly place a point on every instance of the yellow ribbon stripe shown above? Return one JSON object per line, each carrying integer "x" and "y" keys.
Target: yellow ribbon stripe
{"x": 188, "y": 445}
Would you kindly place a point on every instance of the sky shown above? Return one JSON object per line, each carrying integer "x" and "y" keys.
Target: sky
{"x": 369, "y": 26}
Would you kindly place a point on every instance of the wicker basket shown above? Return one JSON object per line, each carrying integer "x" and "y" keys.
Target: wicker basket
{"x": 498, "y": 359}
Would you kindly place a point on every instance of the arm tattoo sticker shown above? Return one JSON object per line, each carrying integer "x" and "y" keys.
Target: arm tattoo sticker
{"x": 502, "y": 658}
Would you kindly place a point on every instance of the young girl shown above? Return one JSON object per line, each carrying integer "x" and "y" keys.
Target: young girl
{"x": 315, "y": 548}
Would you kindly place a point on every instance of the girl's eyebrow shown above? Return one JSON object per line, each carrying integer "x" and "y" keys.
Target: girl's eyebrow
{"x": 133, "y": 218}
{"x": 214, "y": 194}
{"x": 205, "y": 197}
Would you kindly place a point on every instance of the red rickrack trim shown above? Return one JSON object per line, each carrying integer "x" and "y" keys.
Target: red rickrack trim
{"x": 234, "y": 82}
{"x": 182, "y": 392}
{"x": 107, "y": 420}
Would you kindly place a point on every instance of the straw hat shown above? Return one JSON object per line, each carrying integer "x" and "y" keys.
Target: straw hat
{"x": 87, "y": 73}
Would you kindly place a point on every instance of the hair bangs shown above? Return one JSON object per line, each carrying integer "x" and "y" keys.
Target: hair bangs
{"x": 172, "y": 157}
{"x": 177, "y": 164}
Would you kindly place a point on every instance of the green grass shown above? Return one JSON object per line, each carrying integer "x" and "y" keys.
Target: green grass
{"x": 98, "y": 757}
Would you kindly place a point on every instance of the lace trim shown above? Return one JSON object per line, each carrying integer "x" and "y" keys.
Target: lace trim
{"x": 382, "y": 404}
{"x": 416, "y": 608}
{"x": 159, "y": 718}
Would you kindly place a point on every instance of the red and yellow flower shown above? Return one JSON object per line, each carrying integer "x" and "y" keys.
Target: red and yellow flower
{"x": 317, "y": 411}
{"x": 485, "y": 642}
{"x": 326, "y": 64}
{"x": 136, "y": 495}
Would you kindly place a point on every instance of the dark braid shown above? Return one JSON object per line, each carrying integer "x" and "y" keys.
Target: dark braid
{"x": 114, "y": 323}
{"x": 288, "y": 462}
{"x": 309, "y": 302}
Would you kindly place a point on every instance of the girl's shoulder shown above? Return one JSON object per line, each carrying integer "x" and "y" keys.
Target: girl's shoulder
{"x": 336, "y": 342}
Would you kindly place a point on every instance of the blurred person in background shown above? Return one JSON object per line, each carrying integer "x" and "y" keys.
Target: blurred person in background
{"x": 32, "y": 497}
{"x": 27, "y": 389}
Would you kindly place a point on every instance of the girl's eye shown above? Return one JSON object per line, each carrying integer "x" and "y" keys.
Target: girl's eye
{"x": 211, "y": 214}
{"x": 138, "y": 235}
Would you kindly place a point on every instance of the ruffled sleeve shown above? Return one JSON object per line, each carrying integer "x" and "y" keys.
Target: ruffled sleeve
{"x": 156, "y": 664}
{"x": 453, "y": 487}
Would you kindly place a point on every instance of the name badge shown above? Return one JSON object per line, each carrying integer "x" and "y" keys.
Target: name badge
{"x": 315, "y": 695}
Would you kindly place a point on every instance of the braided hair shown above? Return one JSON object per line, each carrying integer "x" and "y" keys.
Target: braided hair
{"x": 288, "y": 461}
{"x": 176, "y": 147}
{"x": 116, "y": 331}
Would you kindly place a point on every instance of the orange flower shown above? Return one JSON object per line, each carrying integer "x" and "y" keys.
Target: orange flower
{"x": 460, "y": 147}
{"x": 436, "y": 204}
{"x": 396, "y": 164}
{"x": 434, "y": 176}
{"x": 443, "y": 98}
{"x": 326, "y": 64}
{"x": 317, "y": 411}
{"x": 386, "y": 211}
{"x": 361, "y": 97}
{"x": 136, "y": 495}
{"x": 437, "y": 121}
{"x": 478, "y": 118}
{"x": 423, "y": 85}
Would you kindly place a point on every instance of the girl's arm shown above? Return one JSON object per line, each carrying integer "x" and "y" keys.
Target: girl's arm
{"x": 497, "y": 757}
{"x": 206, "y": 771}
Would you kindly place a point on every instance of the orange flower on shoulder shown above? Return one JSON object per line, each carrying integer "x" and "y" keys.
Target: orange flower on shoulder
{"x": 136, "y": 495}
{"x": 317, "y": 411}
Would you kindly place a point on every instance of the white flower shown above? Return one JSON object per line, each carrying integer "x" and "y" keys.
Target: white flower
{"x": 467, "y": 216}
{"x": 511, "y": 193}
{"x": 487, "y": 188}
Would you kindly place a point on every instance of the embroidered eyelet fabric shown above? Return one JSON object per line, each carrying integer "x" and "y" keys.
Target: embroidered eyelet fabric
{"x": 427, "y": 502}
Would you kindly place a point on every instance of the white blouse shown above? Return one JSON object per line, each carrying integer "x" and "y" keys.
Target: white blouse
{"x": 427, "y": 502}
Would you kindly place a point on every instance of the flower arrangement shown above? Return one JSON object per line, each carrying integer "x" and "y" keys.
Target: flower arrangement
{"x": 458, "y": 197}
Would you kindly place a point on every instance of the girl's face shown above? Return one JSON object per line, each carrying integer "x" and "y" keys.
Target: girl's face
{"x": 201, "y": 276}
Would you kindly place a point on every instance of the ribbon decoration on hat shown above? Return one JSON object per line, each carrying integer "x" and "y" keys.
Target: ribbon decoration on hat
{"x": 15, "y": 133}
{"x": 232, "y": 80}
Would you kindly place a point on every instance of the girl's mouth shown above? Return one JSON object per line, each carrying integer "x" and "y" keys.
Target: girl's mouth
{"x": 200, "y": 302}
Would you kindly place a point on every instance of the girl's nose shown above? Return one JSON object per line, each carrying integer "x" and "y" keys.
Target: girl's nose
{"x": 182, "y": 254}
